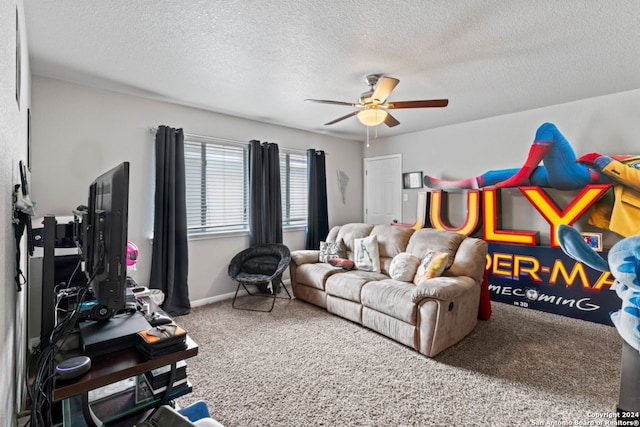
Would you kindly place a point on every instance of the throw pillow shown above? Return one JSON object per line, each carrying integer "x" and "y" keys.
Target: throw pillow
{"x": 432, "y": 265}
{"x": 366, "y": 255}
{"x": 344, "y": 263}
{"x": 404, "y": 267}
{"x": 329, "y": 250}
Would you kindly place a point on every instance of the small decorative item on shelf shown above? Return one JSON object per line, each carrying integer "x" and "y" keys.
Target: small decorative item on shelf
{"x": 412, "y": 180}
{"x": 594, "y": 240}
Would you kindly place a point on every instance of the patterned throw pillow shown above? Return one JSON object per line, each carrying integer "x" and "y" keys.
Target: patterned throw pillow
{"x": 329, "y": 250}
{"x": 366, "y": 255}
{"x": 344, "y": 263}
{"x": 432, "y": 265}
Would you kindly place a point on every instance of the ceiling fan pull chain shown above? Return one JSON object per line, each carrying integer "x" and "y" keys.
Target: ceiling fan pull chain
{"x": 367, "y": 136}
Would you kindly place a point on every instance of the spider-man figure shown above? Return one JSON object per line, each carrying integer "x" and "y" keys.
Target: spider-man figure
{"x": 618, "y": 212}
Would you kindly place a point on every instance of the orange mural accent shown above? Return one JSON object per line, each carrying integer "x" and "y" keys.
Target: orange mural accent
{"x": 439, "y": 217}
{"x": 553, "y": 215}
{"x": 492, "y": 222}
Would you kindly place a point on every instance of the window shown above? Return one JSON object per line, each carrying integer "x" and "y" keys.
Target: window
{"x": 217, "y": 186}
{"x": 293, "y": 181}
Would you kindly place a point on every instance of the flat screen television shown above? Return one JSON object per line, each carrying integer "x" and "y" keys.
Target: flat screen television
{"x": 103, "y": 240}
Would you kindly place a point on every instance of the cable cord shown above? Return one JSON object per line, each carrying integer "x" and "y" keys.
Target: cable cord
{"x": 42, "y": 389}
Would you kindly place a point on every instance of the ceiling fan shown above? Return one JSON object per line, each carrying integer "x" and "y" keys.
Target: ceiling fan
{"x": 373, "y": 107}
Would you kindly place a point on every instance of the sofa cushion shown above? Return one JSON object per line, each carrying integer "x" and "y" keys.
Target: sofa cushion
{"x": 391, "y": 297}
{"x": 468, "y": 260}
{"x": 438, "y": 240}
{"x": 432, "y": 265}
{"x": 349, "y": 285}
{"x": 366, "y": 255}
{"x": 330, "y": 250}
{"x": 404, "y": 267}
{"x": 315, "y": 275}
{"x": 333, "y": 234}
{"x": 443, "y": 288}
{"x": 305, "y": 256}
{"x": 349, "y": 232}
{"x": 392, "y": 239}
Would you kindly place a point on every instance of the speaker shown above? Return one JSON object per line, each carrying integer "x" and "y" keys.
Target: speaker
{"x": 73, "y": 368}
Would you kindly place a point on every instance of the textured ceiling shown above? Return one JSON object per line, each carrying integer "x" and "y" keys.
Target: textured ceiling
{"x": 261, "y": 59}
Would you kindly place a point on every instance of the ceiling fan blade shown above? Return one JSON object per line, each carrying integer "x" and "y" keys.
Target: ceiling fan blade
{"x": 342, "y": 118}
{"x": 425, "y": 103}
{"x": 384, "y": 88}
{"x": 391, "y": 121}
{"x": 326, "y": 101}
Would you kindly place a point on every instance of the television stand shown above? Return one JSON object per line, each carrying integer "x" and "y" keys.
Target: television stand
{"x": 112, "y": 367}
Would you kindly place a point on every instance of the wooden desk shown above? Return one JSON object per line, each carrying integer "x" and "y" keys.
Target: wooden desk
{"x": 109, "y": 368}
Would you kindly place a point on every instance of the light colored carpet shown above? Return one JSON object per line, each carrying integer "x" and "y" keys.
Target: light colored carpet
{"x": 301, "y": 366}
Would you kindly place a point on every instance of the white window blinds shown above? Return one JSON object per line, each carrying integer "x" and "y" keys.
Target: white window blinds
{"x": 216, "y": 177}
{"x": 217, "y": 186}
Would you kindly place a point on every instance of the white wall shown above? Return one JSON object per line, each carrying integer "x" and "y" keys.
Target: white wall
{"x": 608, "y": 125}
{"x": 13, "y": 146}
{"x": 80, "y": 132}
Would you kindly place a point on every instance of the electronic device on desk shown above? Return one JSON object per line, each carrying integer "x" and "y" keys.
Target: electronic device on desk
{"x": 119, "y": 332}
{"x": 73, "y": 368}
{"x": 100, "y": 231}
{"x": 154, "y": 383}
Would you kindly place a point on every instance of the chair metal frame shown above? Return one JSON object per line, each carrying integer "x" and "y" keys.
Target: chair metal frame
{"x": 274, "y": 279}
{"x": 273, "y": 295}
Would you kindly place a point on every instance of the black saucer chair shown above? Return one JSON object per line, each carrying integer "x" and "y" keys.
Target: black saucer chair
{"x": 263, "y": 267}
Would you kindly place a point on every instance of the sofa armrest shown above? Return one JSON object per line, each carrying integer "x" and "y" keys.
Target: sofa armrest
{"x": 306, "y": 256}
{"x": 442, "y": 288}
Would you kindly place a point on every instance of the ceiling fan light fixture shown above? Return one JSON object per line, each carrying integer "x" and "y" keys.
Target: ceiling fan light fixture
{"x": 372, "y": 116}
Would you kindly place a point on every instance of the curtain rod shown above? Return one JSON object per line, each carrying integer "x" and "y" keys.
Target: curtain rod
{"x": 210, "y": 138}
{"x": 153, "y": 130}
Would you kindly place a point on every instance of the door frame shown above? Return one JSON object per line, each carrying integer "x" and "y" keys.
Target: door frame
{"x": 366, "y": 161}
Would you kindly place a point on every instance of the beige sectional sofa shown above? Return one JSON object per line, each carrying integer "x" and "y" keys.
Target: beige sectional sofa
{"x": 429, "y": 317}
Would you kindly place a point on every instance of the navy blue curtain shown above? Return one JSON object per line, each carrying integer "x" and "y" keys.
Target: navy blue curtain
{"x": 169, "y": 258}
{"x": 318, "y": 215}
{"x": 265, "y": 194}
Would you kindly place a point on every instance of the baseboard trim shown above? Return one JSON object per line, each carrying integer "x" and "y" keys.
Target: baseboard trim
{"x": 223, "y": 297}
{"x": 216, "y": 298}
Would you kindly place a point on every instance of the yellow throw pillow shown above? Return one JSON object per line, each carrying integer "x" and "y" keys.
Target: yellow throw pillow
{"x": 432, "y": 265}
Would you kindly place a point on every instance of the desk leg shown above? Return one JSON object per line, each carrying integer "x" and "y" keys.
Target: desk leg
{"x": 91, "y": 419}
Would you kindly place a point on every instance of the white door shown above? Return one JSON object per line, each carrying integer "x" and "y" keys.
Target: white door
{"x": 383, "y": 189}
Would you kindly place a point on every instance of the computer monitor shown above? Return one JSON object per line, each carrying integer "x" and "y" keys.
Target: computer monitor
{"x": 102, "y": 238}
